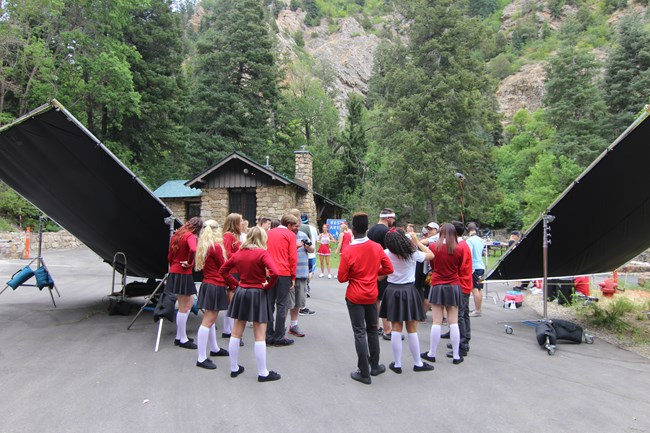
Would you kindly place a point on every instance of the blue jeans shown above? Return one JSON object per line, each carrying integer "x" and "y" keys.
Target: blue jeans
{"x": 363, "y": 318}
{"x": 278, "y": 298}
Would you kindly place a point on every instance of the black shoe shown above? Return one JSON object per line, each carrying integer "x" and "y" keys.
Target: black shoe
{"x": 241, "y": 342}
{"x": 458, "y": 361}
{"x": 271, "y": 377}
{"x": 207, "y": 364}
{"x": 389, "y": 336}
{"x": 189, "y": 344}
{"x": 425, "y": 355}
{"x": 221, "y": 352}
{"x": 224, "y": 335}
{"x": 177, "y": 342}
{"x": 462, "y": 353}
{"x": 356, "y": 375}
{"x": 269, "y": 342}
{"x": 462, "y": 348}
{"x": 381, "y": 368}
{"x": 445, "y": 335}
{"x": 239, "y": 371}
{"x": 423, "y": 367}
{"x": 397, "y": 370}
{"x": 283, "y": 342}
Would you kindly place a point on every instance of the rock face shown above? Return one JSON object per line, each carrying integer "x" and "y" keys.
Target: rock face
{"x": 346, "y": 49}
{"x": 524, "y": 89}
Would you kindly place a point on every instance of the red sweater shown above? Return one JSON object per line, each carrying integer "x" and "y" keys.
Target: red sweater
{"x": 254, "y": 264}
{"x": 184, "y": 253}
{"x": 447, "y": 268}
{"x": 360, "y": 266}
{"x": 282, "y": 247}
{"x": 214, "y": 260}
{"x": 465, "y": 272}
{"x": 231, "y": 244}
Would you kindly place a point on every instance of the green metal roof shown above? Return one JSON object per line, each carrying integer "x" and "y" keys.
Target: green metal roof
{"x": 176, "y": 189}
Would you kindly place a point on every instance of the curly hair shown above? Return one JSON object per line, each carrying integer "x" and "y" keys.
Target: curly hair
{"x": 398, "y": 244}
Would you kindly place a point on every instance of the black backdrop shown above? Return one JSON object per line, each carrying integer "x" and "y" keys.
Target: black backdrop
{"x": 602, "y": 220}
{"x": 50, "y": 159}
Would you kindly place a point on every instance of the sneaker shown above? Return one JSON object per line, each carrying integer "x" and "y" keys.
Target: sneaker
{"x": 356, "y": 375}
{"x": 329, "y": 276}
{"x": 207, "y": 364}
{"x": 269, "y": 377}
{"x": 321, "y": 275}
{"x": 295, "y": 330}
{"x": 381, "y": 368}
{"x": 283, "y": 342}
{"x": 306, "y": 312}
{"x": 475, "y": 313}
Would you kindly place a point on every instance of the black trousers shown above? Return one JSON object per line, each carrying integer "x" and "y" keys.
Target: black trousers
{"x": 278, "y": 298}
{"x": 463, "y": 321}
{"x": 363, "y": 318}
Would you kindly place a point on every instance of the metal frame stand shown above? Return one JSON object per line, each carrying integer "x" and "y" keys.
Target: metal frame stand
{"x": 40, "y": 263}
{"x": 170, "y": 222}
{"x": 485, "y": 284}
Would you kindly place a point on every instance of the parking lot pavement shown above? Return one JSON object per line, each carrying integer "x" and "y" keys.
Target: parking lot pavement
{"x": 74, "y": 368}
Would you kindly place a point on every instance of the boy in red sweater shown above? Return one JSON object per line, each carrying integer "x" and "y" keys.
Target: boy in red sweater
{"x": 281, "y": 245}
{"x": 361, "y": 264}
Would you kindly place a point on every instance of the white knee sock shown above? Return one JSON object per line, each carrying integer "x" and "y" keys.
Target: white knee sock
{"x": 454, "y": 336}
{"x": 434, "y": 339}
{"x": 212, "y": 339}
{"x": 227, "y": 324}
{"x": 181, "y": 326}
{"x": 202, "y": 341}
{"x": 414, "y": 347}
{"x": 260, "y": 357}
{"x": 396, "y": 345}
{"x": 233, "y": 348}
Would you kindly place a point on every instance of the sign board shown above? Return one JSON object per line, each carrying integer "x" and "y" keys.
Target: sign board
{"x": 335, "y": 227}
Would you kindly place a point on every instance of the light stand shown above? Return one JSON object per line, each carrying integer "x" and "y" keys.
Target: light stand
{"x": 461, "y": 178}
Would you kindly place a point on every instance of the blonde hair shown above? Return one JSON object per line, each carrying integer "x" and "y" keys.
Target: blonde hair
{"x": 256, "y": 238}
{"x": 210, "y": 235}
{"x": 232, "y": 223}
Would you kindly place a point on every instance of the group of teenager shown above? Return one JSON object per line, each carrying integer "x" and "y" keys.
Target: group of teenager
{"x": 259, "y": 274}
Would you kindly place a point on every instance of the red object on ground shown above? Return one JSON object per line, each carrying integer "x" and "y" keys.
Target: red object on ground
{"x": 608, "y": 287}
{"x": 582, "y": 285}
{"x": 28, "y": 238}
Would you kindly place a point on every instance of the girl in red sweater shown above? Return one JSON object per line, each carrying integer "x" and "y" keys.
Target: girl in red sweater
{"x": 250, "y": 302}
{"x": 179, "y": 280}
{"x": 232, "y": 233}
{"x": 445, "y": 289}
{"x": 212, "y": 295}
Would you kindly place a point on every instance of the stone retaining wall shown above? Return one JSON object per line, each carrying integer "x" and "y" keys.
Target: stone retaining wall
{"x": 12, "y": 244}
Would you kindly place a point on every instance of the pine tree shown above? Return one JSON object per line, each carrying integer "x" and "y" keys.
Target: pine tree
{"x": 575, "y": 105}
{"x": 236, "y": 88}
{"x": 628, "y": 74}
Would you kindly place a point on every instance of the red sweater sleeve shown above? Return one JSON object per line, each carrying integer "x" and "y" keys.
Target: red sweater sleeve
{"x": 344, "y": 268}
{"x": 225, "y": 273}
{"x": 465, "y": 270}
{"x": 272, "y": 269}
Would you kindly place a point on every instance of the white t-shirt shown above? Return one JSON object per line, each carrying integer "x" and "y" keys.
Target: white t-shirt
{"x": 403, "y": 270}
{"x": 314, "y": 237}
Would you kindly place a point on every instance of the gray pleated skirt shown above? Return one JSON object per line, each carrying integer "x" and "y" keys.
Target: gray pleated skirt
{"x": 401, "y": 303}
{"x": 181, "y": 284}
{"x": 445, "y": 294}
{"x": 251, "y": 305}
{"x": 212, "y": 297}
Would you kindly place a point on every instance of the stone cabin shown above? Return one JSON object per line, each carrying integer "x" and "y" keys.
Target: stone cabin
{"x": 239, "y": 184}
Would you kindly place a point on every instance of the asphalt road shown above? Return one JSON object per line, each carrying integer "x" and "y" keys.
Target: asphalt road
{"x": 74, "y": 368}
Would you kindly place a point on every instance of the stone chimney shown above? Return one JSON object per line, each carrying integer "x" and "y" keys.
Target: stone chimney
{"x": 304, "y": 175}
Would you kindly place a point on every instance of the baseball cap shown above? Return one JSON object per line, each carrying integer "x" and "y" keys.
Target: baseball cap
{"x": 433, "y": 226}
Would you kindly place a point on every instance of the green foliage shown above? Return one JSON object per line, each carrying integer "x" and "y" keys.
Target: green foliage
{"x": 314, "y": 13}
{"x": 500, "y": 67}
{"x": 611, "y": 317}
{"x": 299, "y": 38}
{"x": 295, "y": 5}
{"x": 15, "y": 211}
{"x": 236, "y": 91}
{"x": 628, "y": 74}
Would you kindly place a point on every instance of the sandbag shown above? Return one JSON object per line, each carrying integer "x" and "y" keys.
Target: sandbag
{"x": 165, "y": 307}
{"x": 569, "y": 331}
{"x": 544, "y": 330}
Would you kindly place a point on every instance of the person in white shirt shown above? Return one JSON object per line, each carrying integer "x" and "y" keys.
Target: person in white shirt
{"x": 401, "y": 302}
